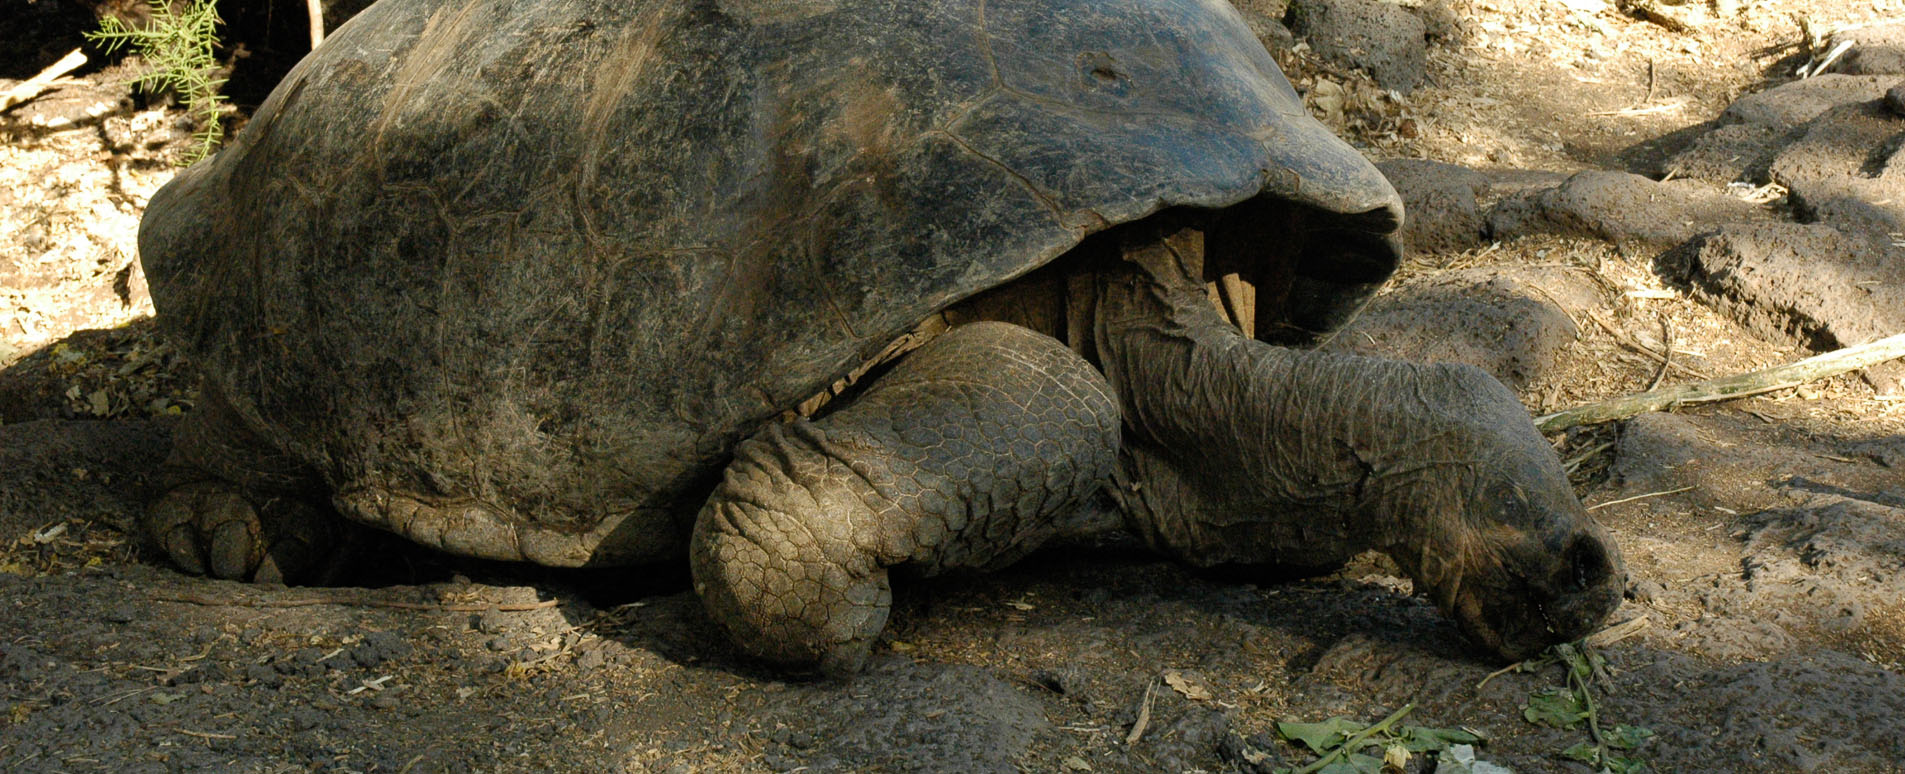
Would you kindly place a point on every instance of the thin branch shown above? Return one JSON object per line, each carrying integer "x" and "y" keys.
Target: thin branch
{"x": 1666, "y": 351}
{"x": 191, "y": 599}
{"x": 1144, "y": 714}
{"x": 1626, "y": 340}
{"x": 1640, "y": 497}
{"x": 32, "y": 87}
{"x": 1727, "y": 388}
{"x": 315, "y": 8}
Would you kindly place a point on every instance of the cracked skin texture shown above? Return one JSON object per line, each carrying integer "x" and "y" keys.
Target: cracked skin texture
{"x": 518, "y": 281}
{"x": 965, "y": 455}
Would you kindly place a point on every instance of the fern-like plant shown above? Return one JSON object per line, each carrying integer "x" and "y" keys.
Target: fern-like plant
{"x": 178, "y": 53}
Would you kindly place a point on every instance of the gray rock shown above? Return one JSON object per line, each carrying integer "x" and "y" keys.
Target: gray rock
{"x": 1512, "y": 326}
{"x": 1743, "y": 142}
{"x": 1265, "y": 18}
{"x": 1792, "y": 105}
{"x": 1728, "y": 153}
{"x": 1818, "y": 710}
{"x": 1445, "y": 25}
{"x": 1876, "y": 50}
{"x": 1812, "y": 284}
{"x": 1441, "y": 200}
{"x": 1848, "y": 169}
{"x": 1193, "y": 737}
{"x": 1618, "y": 207}
{"x": 1383, "y": 38}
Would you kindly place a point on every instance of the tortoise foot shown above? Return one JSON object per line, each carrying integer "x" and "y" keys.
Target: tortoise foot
{"x": 209, "y": 528}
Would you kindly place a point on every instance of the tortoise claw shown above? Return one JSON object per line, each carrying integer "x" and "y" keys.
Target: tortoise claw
{"x": 181, "y": 544}
{"x": 206, "y": 528}
{"x": 235, "y": 548}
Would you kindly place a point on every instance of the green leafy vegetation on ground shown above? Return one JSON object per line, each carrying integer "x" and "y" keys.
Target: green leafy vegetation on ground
{"x": 1345, "y": 744}
{"x": 1572, "y": 707}
{"x": 178, "y": 49}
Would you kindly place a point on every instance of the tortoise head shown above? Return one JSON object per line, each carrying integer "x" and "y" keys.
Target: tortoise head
{"x": 1500, "y": 542}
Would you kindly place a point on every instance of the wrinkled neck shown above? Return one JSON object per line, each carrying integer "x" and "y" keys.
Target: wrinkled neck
{"x": 1237, "y": 451}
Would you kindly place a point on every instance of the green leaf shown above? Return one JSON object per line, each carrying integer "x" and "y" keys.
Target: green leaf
{"x": 1353, "y": 763}
{"x": 1619, "y": 765}
{"x": 1555, "y": 708}
{"x": 1583, "y": 752}
{"x": 1418, "y": 739}
{"x": 1320, "y": 737}
{"x": 1628, "y": 737}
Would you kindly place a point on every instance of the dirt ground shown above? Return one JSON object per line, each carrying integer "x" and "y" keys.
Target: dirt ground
{"x": 1765, "y": 536}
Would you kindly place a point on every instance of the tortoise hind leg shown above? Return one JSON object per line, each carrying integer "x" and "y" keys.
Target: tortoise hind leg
{"x": 232, "y": 506}
{"x": 965, "y": 455}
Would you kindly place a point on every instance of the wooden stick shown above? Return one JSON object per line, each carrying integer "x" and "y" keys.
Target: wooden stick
{"x": 31, "y": 87}
{"x": 315, "y": 8}
{"x": 1666, "y": 352}
{"x": 478, "y": 607}
{"x": 1640, "y": 497}
{"x": 1144, "y": 714}
{"x": 1624, "y": 339}
{"x": 1617, "y": 632}
{"x": 1729, "y": 387}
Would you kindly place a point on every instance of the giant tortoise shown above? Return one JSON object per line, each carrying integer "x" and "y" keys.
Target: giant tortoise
{"x": 803, "y": 290}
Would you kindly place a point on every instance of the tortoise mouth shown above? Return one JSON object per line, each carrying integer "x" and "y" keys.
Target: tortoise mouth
{"x": 1517, "y": 617}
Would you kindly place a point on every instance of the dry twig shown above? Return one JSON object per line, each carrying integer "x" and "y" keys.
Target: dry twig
{"x": 1729, "y": 387}
{"x": 1666, "y": 352}
{"x": 315, "y": 9}
{"x": 1628, "y": 341}
{"x": 191, "y": 599}
{"x": 1144, "y": 714}
{"x": 1617, "y": 632}
{"x": 31, "y": 87}
{"x": 1640, "y": 497}
{"x": 1644, "y": 111}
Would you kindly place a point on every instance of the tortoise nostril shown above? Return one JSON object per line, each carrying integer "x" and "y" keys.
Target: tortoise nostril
{"x": 1587, "y": 563}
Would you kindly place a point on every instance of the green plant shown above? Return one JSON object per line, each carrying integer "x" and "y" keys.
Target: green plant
{"x": 1341, "y": 742}
{"x": 1612, "y": 750}
{"x": 178, "y": 53}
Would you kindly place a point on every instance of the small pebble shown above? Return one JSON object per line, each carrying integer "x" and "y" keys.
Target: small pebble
{"x": 1895, "y": 99}
{"x": 1645, "y": 591}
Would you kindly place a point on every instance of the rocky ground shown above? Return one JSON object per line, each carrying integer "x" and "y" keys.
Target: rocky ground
{"x": 1601, "y": 197}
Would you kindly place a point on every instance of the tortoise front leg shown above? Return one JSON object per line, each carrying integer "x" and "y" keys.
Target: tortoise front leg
{"x": 965, "y": 455}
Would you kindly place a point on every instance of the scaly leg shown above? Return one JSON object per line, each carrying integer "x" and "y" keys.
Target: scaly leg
{"x": 965, "y": 455}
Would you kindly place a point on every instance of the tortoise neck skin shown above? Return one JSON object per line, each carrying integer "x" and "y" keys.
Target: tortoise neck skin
{"x": 1225, "y": 435}
{"x": 1238, "y": 452}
